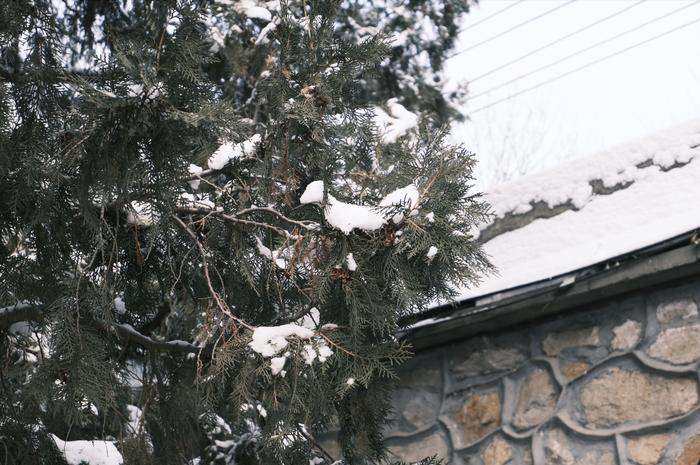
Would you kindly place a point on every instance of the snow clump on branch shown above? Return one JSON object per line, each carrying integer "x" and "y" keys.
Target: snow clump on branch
{"x": 346, "y": 216}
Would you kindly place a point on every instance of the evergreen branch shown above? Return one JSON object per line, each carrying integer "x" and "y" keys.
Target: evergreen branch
{"x": 18, "y": 312}
{"x": 205, "y": 266}
{"x": 318, "y": 446}
{"x": 230, "y": 218}
{"x": 308, "y": 225}
{"x": 128, "y": 333}
{"x": 29, "y": 312}
{"x": 46, "y": 75}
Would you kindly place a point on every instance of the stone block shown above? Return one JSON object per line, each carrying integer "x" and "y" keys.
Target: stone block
{"x": 537, "y": 398}
{"x": 413, "y": 410}
{"x": 575, "y": 369}
{"x": 680, "y": 309}
{"x": 554, "y": 343}
{"x": 557, "y": 450}
{"x": 646, "y": 450}
{"x": 597, "y": 457}
{"x": 424, "y": 370}
{"x": 627, "y": 335}
{"x": 498, "y": 452}
{"x": 691, "y": 453}
{"x": 621, "y": 396}
{"x": 488, "y": 361}
{"x": 476, "y": 417}
{"x": 677, "y": 345}
{"x": 416, "y": 448}
{"x": 560, "y": 450}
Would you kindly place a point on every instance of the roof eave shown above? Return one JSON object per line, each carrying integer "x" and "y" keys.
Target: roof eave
{"x": 669, "y": 260}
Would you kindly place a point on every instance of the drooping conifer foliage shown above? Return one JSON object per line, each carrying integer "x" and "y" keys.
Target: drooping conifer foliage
{"x": 212, "y": 216}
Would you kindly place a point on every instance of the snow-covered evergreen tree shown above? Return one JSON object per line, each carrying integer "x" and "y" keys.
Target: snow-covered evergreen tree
{"x": 212, "y": 216}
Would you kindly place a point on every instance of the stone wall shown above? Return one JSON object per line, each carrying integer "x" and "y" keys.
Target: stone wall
{"x": 613, "y": 384}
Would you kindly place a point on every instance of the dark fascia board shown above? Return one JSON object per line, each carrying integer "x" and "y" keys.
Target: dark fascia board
{"x": 664, "y": 262}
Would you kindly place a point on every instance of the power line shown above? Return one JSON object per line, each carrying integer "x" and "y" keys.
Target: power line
{"x": 594, "y": 62}
{"x": 585, "y": 49}
{"x": 492, "y": 15}
{"x": 502, "y": 33}
{"x": 554, "y": 42}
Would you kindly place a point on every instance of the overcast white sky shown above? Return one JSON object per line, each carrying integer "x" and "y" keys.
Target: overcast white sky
{"x": 636, "y": 93}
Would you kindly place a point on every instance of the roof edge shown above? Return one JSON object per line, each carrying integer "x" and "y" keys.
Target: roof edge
{"x": 672, "y": 259}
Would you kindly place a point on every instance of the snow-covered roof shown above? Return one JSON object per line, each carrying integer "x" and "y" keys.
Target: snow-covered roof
{"x": 592, "y": 209}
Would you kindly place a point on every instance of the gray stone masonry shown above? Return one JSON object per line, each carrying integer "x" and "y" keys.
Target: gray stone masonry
{"x": 612, "y": 384}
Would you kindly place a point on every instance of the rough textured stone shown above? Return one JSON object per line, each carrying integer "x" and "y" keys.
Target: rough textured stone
{"x": 681, "y": 309}
{"x": 646, "y": 450}
{"x": 417, "y": 409}
{"x": 485, "y": 362}
{"x": 677, "y": 345}
{"x": 536, "y": 400}
{"x": 597, "y": 457}
{"x": 627, "y": 335}
{"x": 414, "y": 450}
{"x": 498, "y": 452}
{"x": 621, "y": 396}
{"x": 556, "y": 449}
{"x": 556, "y": 342}
{"x": 480, "y": 415}
{"x": 691, "y": 453}
{"x": 575, "y": 369}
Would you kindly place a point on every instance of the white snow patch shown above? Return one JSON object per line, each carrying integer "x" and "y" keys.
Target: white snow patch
{"x": 229, "y": 151}
{"x": 258, "y": 12}
{"x": 341, "y": 215}
{"x": 658, "y": 205}
{"x": 396, "y": 123}
{"x": 407, "y": 196}
{"x": 313, "y": 193}
{"x": 194, "y": 170}
{"x": 571, "y": 182}
{"x": 141, "y": 214}
{"x": 268, "y": 341}
{"x": 432, "y": 251}
{"x": 350, "y": 381}
{"x": 92, "y": 452}
{"x": 324, "y": 352}
{"x": 277, "y": 365}
{"x": 277, "y": 256}
{"x": 352, "y": 264}
{"x": 119, "y": 305}
{"x": 311, "y": 319}
{"x": 197, "y": 201}
{"x": 309, "y": 354}
{"x": 346, "y": 217}
{"x": 135, "y": 422}
{"x": 431, "y": 218}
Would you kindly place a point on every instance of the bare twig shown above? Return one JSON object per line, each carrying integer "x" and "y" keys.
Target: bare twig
{"x": 205, "y": 265}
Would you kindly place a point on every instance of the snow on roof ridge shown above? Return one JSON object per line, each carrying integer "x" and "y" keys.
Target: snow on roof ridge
{"x": 574, "y": 183}
{"x": 636, "y": 195}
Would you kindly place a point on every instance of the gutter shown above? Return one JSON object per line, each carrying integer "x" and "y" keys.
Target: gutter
{"x": 673, "y": 259}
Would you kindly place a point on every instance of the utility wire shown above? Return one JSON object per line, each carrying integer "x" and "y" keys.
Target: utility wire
{"x": 585, "y": 49}
{"x": 491, "y": 15}
{"x": 554, "y": 42}
{"x": 594, "y": 62}
{"x": 502, "y": 33}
